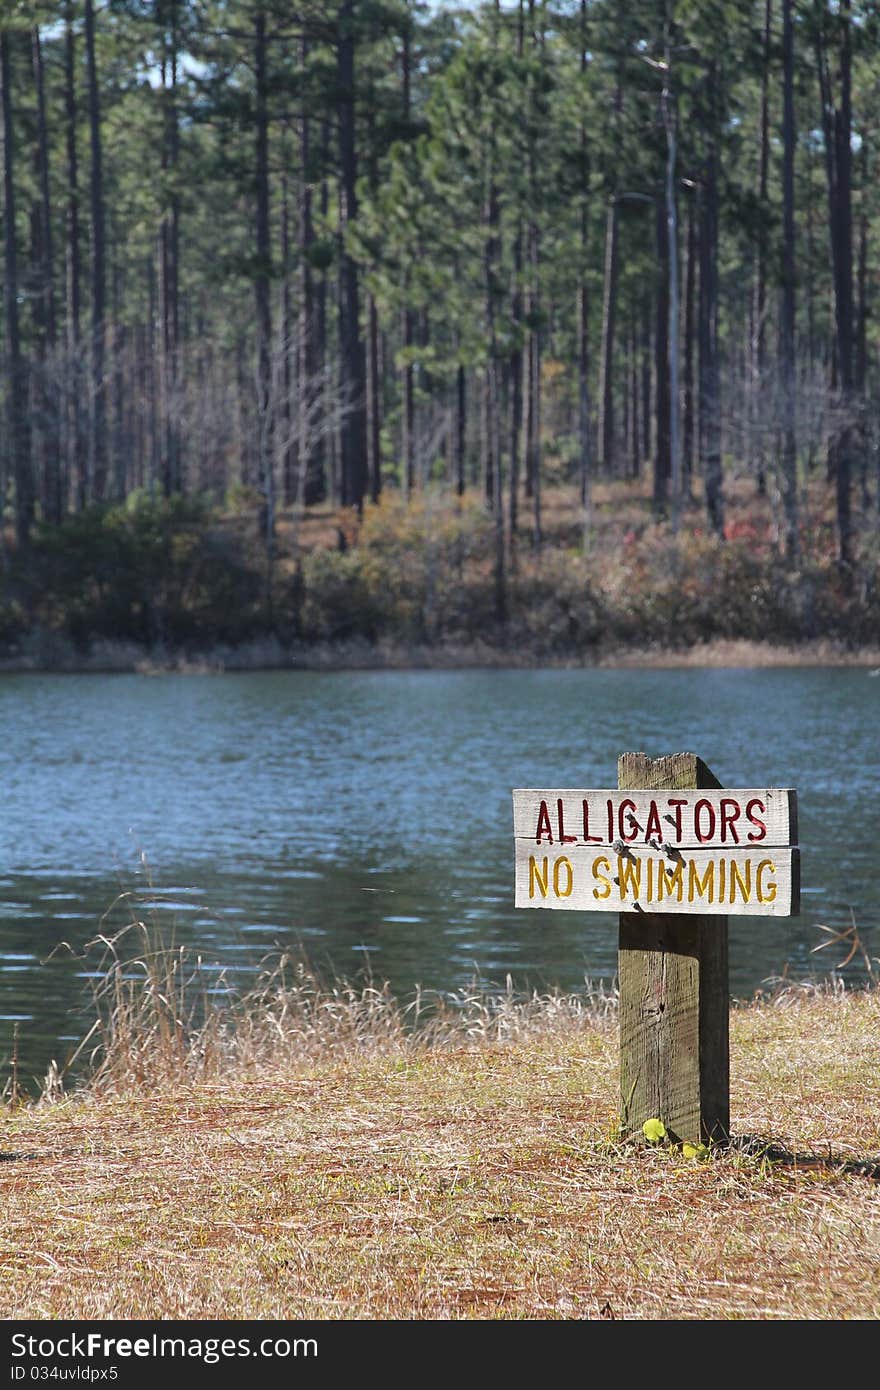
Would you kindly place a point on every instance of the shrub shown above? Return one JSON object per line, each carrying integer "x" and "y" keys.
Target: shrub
{"x": 342, "y": 596}
{"x": 415, "y": 573}
{"x": 150, "y": 570}
{"x": 157, "y": 570}
{"x": 556, "y": 607}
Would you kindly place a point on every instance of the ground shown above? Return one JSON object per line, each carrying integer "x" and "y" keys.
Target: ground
{"x": 483, "y": 1180}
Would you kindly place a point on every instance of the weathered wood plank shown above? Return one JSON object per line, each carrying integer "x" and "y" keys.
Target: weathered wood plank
{"x": 754, "y": 882}
{"x": 683, "y": 818}
{"x": 674, "y": 997}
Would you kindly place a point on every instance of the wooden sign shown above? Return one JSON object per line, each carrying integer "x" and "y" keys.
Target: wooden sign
{"x": 727, "y": 818}
{"x": 679, "y": 851}
{"x": 674, "y": 853}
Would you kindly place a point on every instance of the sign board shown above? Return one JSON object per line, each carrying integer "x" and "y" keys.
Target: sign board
{"x": 724, "y": 852}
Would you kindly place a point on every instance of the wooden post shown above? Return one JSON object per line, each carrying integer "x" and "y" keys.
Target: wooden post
{"x": 674, "y": 995}
{"x": 663, "y": 862}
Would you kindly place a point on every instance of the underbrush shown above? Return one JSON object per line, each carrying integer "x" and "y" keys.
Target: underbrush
{"x": 176, "y": 574}
{"x": 154, "y": 571}
{"x": 425, "y": 574}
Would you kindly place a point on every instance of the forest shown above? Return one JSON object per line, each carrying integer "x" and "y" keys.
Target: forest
{"x": 549, "y": 324}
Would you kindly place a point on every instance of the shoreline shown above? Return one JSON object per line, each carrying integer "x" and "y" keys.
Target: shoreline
{"x": 47, "y": 654}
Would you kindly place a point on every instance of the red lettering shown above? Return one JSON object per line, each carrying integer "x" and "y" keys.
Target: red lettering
{"x": 761, "y": 827}
{"x": 653, "y": 827}
{"x": 544, "y": 826}
{"x": 632, "y": 831}
{"x": 701, "y": 805}
{"x": 563, "y": 838}
{"x": 610, "y": 806}
{"x": 730, "y": 812}
{"x": 676, "y": 803}
{"x": 591, "y": 839}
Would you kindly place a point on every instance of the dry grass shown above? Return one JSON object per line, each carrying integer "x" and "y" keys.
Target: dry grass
{"x": 328, "y": 1164}
{"x": 162, "y": 1017}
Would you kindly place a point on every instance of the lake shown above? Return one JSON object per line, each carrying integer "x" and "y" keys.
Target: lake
{"x": 364, "y": 818}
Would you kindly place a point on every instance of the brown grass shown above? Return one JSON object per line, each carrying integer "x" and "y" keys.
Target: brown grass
{"x": 329, "y": 1164}
{"x": 162, "y": 1018}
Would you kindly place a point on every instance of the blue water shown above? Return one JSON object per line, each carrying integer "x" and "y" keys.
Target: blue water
{"x": 364, "y": 817}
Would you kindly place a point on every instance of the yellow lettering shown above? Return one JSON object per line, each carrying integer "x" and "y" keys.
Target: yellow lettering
{"x": 565, "y": 862}
{"x": 722, "y": 870}
{"x": 744, "y": 884}
{"x": 766, "y": 892}
{"x": 537, "y": 876}
{"x": 650, "y": 865}
{"x": 704, "y": 886}
{"x": 670, "y": 884}
{"x": 598, "y": 874}
{"x": 629, "y": 875}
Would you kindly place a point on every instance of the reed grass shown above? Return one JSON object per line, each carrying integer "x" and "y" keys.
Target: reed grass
{"x": 163, "y": 1016}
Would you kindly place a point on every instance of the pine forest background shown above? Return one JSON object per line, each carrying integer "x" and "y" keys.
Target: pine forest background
{"x": 544, "y": 325}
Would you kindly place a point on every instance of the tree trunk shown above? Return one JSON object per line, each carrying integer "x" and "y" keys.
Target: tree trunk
{"x": 688, "y": 424}
{"x": 626, "y": 404}
{"x": 137, "y": 400}
{"x": 16, "y": 366}
{"x": 291, "y": 353}
{"x": 788, "y": 480}
{"x": 169, "y": 244}
{"x": 583, "y": 319}
{"x": 374, "y": 402}
{"x": 98, "y": 442}
{"x": 861, "y": 363}
{"x": 491, "y": 256}
{"x": 670, "y": 201}
{"x": 861, "y": 344}
{"x": 121, "y": 452}
{"x": 52, "y": 492}
{"x": 647, "y": 400}
{"x": 534, "y": 442}
{"x": 605, "y": 429}
{"x": 76, "y": 452}
{"x": 635, "y": 442}
{"x": 758, "y": 407}
{"x": 533, "y": 357}
{"x": 710, "y": 387}
{"x": 662, "y": 456}
{"x": 585, "y": 450}
{"x": 407, "y": 384}
{"x": 533, "y": 438}
{"x": 262, "y": 289}
{"x": 837, "y": 125}
{"x": 407, "y": 415}
{"x": 303, "y": 490}
{"x": 327, "y": 430}
{"x": 516, "y": 409}
{"x": 460, "y": 430}
{"x": 809, "y": 289}
{"x": 494, "y": 446}
{"x": 313, "y": 324}
{"x": 151, "y": 390}
{"x": 351, "y": 349}
{"x": 609, "y": 319}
